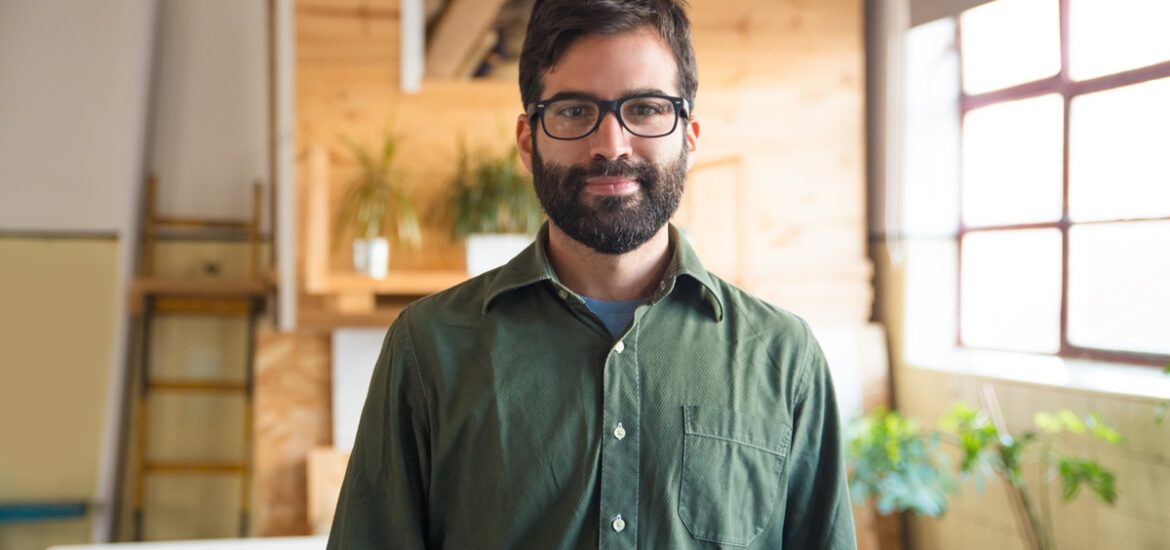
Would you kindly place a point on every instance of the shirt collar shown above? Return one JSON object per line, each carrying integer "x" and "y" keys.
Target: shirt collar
{"x": 532, "y": 266}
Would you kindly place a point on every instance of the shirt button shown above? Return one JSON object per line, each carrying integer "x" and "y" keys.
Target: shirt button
{"x": 620, "y": 431}
{"x": 564, "y": 295}
{"x": 619, "y": 524}
{"x": 619, "y": 346}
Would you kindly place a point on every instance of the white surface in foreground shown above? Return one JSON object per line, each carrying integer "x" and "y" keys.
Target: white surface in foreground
{"x": 278, "y": 543}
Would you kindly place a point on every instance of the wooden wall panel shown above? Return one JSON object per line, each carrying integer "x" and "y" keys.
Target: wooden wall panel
{"x": 292, "y": 416}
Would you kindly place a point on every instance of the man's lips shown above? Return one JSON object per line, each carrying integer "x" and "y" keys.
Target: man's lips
{"x": 611, "y": 185}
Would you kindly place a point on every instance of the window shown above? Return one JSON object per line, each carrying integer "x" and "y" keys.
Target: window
{"x": 1061, "y": 227}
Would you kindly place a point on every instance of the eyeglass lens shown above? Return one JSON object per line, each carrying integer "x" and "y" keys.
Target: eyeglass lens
{"x": 643, "y": 116}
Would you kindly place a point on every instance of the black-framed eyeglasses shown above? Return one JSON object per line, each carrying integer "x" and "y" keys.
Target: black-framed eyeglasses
{"x": 574, "y": 117}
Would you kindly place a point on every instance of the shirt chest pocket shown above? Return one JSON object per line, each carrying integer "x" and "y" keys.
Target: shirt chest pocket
{"x": 731, "y": 471}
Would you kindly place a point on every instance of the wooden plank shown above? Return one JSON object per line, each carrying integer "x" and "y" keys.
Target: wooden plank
{"x": 397, "y": 282}
{"x": 316, "y": 221}
{"x": 322, "y": 40}
{"x": 328, "y": 320}
{"x": 193, "y": 288}
{"x": 186, "y": 305}
{"x": 195, "y": 467}
{"x": 355, "y": 302}
{"x": 711, "y": 215}
{"x": 326, "y": 470}
{"x": 459, "y": 34}
{"x": 197, "y": 385}
{"x": 211, "y": 288}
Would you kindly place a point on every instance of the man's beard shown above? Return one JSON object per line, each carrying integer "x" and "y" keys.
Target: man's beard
{"x": 610, "y": 224}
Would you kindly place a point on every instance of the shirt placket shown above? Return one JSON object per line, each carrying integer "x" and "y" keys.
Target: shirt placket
{"x": 620, "y": 447}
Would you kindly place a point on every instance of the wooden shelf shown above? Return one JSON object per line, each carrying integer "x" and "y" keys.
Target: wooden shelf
{"x": 396, "y": 283}
{"x": 194, "y": 290}
{"x": 353, "y": 300}
{"x": 323, "y": 320}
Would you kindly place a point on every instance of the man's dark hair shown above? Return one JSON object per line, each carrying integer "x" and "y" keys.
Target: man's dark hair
{"x": 556, "y": 24}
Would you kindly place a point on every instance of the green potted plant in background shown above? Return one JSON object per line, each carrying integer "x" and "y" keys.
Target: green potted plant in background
{"x": 493, "y": 206}
{"x": 901, "y": 467}
{"x": 375, "y": 207}
{"x": 898, "y": 465}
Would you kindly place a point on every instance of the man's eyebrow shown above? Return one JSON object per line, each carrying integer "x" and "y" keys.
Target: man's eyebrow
{"x": 578, "y": 94}
{"x": 644, "y": 91}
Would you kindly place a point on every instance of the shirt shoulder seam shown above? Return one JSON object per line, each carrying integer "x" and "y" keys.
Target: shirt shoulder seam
{"x": 412, "y": 358}
{"x": 805, "y": 363}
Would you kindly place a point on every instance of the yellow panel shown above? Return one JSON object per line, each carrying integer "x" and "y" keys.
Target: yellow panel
{"x": 57, "y": 316}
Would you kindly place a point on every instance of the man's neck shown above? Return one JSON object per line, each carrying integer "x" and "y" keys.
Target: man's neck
{"x": 618, "y": 277}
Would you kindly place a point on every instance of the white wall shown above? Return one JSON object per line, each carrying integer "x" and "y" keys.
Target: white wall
{"x": 72, "y": 85}
{"x": 71, "y": 103}
{"x": 211, "y": 112}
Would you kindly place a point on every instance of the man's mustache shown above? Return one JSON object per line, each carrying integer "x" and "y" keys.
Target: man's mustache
{"x": 602, "y": 167}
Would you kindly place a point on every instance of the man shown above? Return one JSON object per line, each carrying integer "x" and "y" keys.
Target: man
{"x": 601, "y": 389}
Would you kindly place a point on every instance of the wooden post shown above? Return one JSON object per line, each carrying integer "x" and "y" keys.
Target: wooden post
{"x": 317, "y": 220}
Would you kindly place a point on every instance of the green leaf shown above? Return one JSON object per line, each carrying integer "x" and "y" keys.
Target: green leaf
{"x": 1101, "y": 430}
{"x": 1071, "y": 422}
{"x": 1047, "y": 422}
{"x": 1075, "y": 472}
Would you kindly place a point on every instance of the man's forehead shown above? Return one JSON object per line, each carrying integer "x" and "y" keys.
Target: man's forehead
{"x": 614, "y": 65}
{"x": 570, "y": 93}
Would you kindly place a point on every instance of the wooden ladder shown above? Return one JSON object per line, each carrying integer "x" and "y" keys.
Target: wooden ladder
{"x": 152, "y": 296}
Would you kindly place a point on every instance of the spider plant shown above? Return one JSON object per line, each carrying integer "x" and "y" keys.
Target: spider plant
{"x": 375, "y": 203}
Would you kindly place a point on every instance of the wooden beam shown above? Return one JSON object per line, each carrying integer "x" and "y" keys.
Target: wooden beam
{"x": 316, "y": 222}
{"x": 362, "y": 12}
{"x": 458, "y": 35}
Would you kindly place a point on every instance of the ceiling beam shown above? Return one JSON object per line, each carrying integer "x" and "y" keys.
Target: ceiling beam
{"x": 458, "y": 36}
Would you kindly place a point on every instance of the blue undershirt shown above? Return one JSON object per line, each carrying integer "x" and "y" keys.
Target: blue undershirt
{"x": 617, "y": 316}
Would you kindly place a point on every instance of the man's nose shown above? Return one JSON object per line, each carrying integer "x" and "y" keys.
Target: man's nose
{"x": 610, "y": 140}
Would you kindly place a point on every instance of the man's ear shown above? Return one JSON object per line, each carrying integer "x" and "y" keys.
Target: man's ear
{"x": 524, "y": 140}
{"x": 692, "y": 139}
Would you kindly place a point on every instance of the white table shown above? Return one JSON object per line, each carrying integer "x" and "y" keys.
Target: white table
{"x": 276, "y": 543}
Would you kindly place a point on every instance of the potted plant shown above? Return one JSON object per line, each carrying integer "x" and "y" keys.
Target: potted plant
{"x": 901, "y": 467}
{"x": 375, "y": 207}
{"x": 494, "y": 207}
{"x": 898, "y": 465}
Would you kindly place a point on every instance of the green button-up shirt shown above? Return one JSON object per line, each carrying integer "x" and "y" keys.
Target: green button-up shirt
{"x": 503, "y": 414}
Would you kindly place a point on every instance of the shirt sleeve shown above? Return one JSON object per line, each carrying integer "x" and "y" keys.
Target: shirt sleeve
{"x": 383, "y": 496}
{"x": 818, "y": 514}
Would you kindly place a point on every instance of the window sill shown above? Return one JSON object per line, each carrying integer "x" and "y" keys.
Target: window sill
{"x": 1082, "y": 375}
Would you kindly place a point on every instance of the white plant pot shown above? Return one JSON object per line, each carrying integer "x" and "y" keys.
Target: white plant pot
{"x": 487, "y": 251}
{"x": 371, "y": 257}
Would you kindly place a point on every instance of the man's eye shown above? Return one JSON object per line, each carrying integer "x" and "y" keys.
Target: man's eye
{"x": 647, "y": 109}
{"x": 573, "y": 111}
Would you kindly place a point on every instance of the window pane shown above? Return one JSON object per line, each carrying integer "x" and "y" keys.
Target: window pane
{"x": 1009, "y": 42}
{"x": 930, "y": 157}
{"x": 1119, "y": 286}
{"x": 1012, "y": 162}
{"x": 1118, "y": 162}
{"x": 1010, "y": 294}
{"x": 1107, "y": 36}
